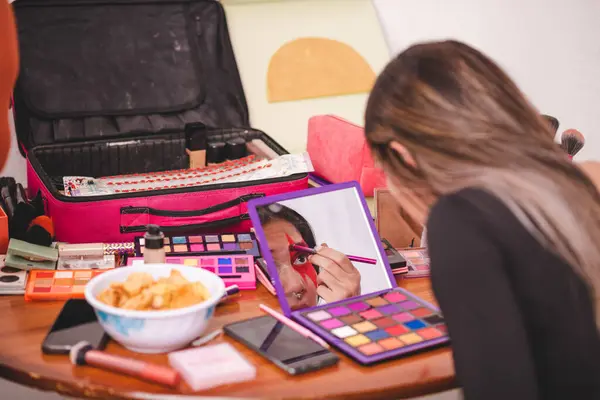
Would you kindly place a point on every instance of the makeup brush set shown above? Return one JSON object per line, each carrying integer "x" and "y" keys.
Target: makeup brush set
{"x": 26, "y": 219}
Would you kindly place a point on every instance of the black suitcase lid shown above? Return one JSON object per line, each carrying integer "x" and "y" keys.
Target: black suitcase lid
{"x": 98, "y": 69}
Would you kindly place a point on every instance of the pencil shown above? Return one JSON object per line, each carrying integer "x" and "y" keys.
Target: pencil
{"x": 293, "y": 325}
{"x": 351, "y": 258}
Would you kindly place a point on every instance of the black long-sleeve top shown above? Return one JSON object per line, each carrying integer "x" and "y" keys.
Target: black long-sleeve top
{"x": 520, "y": 320}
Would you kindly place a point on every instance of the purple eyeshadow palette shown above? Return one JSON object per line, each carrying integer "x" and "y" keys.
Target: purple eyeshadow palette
{"x": 378, "y": 326}
{"x": 384, "y": 321}
{"x": 225, "y": 243}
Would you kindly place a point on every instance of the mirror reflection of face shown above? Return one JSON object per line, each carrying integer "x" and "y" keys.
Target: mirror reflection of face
{"x": 297, "y": 275}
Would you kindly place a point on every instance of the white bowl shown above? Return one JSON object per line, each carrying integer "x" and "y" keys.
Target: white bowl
{"x": 155, "y": 331}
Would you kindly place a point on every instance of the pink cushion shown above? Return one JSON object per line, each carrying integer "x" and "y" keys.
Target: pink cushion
{"x": 339, "y": 153}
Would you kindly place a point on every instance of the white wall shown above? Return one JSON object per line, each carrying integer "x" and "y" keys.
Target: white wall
{"x": 550, "y": 47}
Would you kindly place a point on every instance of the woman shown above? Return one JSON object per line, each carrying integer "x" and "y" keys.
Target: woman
{"x": 327, "y": 275}
{"x": 513, "y": 225}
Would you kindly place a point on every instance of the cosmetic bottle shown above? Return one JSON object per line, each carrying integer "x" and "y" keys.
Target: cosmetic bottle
{"x": 154, "y": 252}
{"x": 235, "y": 149}
{"x": 196, "y": 144}
{"x": 215, "y": 154}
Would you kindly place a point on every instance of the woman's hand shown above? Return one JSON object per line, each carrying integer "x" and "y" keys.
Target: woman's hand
{"x": 338, "y": 279}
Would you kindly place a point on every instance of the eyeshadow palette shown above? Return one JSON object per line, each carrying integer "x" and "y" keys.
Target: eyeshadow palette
{"x": 381, "y": 323}
{"x": 100, "y": 262}
{"x": 378, "y": 326}
{"x": 233, "y": 269}
{"x": 58, "y": 285}
{"x": 417, "y": 261}
{"x": 12, "y": 280}
{"x": 225, "y": 243}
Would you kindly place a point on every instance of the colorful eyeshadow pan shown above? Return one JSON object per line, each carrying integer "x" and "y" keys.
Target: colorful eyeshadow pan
{"x": 370, "y": 349}
{"x": 229, "y": 243}
{"x": 365, "y": 326}
{"x": 376, "y": 328}
{"x": 408, "y": 305}
{"x": 434, "y": 319}
{"x": 234, "y": 269}
{"x": 384, "y": 322}
{"x": 332, "y": 323}
{"x": 360, "y": 306}
{"x": 370, "y": 314}
{"x": 376, "y": 301}
{"x": 390, "y": 343}
{"x": 377, "y": 335}
{"x": 410, "y": 338}
{"x": 394, "y": 297}
{"x": 344, "y": 332}
{"x": 339, "y": 311}
{"x": 389, "y": 309}
{"x": 58, "y": 285}
{"x": 429, "y": 333}
{"x": 396, "y": 330}
{"x": 319, "y": 315}
{"x": 421, "y": 312}
{"x": 357, "y": 340}
{"x": 416, "y": 324}
{"x": 403, "y": 317}
{"x": 351, "y": 319}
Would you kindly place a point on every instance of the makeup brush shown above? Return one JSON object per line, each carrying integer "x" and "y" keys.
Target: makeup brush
{"x": 554, "y": 124}
{"x": 84, "y": 354}
{"x": 308, "y": 250}
{"x": 572, "y": 141}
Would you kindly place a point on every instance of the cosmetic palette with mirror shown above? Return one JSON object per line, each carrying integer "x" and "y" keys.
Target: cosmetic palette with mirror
{"x": 367, "y": 317}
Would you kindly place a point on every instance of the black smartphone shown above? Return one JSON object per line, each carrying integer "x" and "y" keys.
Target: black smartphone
{"x": 281, "y": 345}
{"x": 76, "y": 322}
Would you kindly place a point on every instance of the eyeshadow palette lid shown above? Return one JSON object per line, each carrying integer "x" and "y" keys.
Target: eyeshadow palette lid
{"x": 336, "y": 215}
{"x": 30, "y": 251}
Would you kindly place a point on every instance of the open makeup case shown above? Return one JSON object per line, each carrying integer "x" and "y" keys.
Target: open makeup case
{"x": 106, "y": 88}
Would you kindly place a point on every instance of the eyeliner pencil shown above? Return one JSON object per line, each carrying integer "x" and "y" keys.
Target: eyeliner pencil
{"x": 351, "y": 258}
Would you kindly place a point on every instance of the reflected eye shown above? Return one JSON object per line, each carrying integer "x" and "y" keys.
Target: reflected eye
{"x": 301, "y": 259}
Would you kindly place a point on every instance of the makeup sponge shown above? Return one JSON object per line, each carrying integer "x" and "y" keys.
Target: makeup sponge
{"x": 41, "y": 231}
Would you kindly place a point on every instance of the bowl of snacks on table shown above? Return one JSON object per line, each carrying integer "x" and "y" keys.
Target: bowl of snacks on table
{"x": 155, "y": 308}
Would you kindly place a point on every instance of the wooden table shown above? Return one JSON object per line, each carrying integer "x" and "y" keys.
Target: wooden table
{"x": 24, "y": 326}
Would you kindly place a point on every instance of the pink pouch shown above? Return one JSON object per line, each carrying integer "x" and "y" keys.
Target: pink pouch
{"x": 339, "y": 153}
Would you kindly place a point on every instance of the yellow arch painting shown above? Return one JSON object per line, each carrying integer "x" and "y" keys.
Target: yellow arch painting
{"x": 317, "y": 67}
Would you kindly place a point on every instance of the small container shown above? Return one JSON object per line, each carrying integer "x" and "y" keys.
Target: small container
{"x": 215, "y": 153}
{"x": 155, "y": 246}
{"x": 235, "y": 149}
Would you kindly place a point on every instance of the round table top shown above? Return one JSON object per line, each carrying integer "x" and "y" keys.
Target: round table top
{"x": 25, "y": 325}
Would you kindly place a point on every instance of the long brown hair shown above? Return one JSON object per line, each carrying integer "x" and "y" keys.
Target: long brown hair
{"x": 466, "y": 124}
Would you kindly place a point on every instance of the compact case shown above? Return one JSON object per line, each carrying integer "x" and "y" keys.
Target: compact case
{"x": 106, "y": 88}
{"x": 374, "y": 326}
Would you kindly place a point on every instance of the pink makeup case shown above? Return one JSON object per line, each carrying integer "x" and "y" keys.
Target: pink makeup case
{"x": 106, "y": 88}
{"x": 339, "y": 153}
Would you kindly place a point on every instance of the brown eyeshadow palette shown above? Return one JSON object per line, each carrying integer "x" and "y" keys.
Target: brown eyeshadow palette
{"x": 377, "y": 326}
{"x": 225, "y": 243}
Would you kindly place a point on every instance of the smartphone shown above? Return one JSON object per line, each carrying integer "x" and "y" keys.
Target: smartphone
{"x": 76, "y": 322}
{"x": 281, "y": 345}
